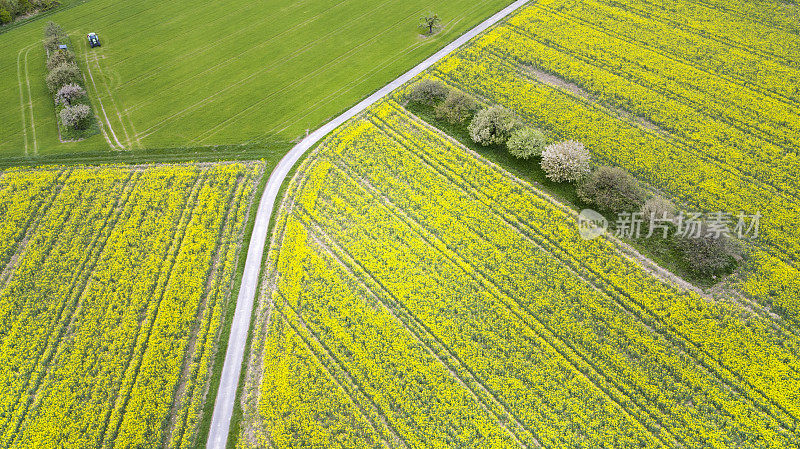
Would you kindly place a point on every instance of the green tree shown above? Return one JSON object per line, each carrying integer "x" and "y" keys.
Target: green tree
{"x": 526, "y": 142}
{"x": 5, "y": 16}
{"x": 428, "y": 92}
{"x": 493, "y": 126}
{"x": 457, "y": 108}
{"x": 612, "y": 189}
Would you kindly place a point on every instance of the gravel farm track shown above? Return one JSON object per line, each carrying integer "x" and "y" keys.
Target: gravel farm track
{"x": 226, "y": 395}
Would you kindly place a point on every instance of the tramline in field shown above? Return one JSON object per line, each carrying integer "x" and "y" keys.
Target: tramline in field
{"x": 187, "y": 74}
{"x": 410, "y": 280}
{"x": 115, "y": 284}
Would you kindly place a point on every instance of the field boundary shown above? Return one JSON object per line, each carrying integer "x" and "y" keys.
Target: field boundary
{"x": 226, "y": 395}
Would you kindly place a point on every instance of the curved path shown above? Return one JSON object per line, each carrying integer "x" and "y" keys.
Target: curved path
{"x": 231, "y": 370}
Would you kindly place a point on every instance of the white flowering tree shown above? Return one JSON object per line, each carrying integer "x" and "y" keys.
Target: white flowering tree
{"x": 566, "y": 161}
{"x": 69, "y": 93}
{"x": 74, "y": 116}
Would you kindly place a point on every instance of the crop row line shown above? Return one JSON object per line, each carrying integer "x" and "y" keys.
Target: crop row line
{"x": 736, "y": 124}
{"x": 27, "y": 230}
{"x": 55, "y": 338}
{"x": 770, "y": 189}
{"x": 354, "y": 389}
{"x": 488, "y": 399}
{"x": 198, "y": 332}
{"x": 134, "y": 362}
{"x": 657, "y": 16}
{"x": 731, "y": 11}
{"x": 508, "y": 302}
{"x": 574, "y": 356}
{"x": 682, "y": 343}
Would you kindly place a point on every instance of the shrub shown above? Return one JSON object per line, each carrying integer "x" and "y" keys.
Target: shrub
{"x": 708, "y": 255}
{"x": 53, "y": 29}
{"x": 75, "y": 116}
{"x": 24, "y": 6}
{"x": 526, "y": 142}
{"x": 59, "y": 57}
{"x": 5, "y": 16}
{"x": 69, "y": 93}
{"x": 612, "y": 189}
{"x": 566, "y": 161}
{"x": 659, "y": 207}
{"x": 492, "y": 126}
{"x": 457, "y": 108}
{"x": 51, "y": 44}
{"x": 62, "y": 74}
{"x": 428, "y": 92}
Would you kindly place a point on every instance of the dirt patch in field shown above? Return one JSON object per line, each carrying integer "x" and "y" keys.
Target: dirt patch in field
{"x": 578, "y": 91}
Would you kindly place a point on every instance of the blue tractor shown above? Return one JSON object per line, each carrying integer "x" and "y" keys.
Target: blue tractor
{"x": 94, "y": 41}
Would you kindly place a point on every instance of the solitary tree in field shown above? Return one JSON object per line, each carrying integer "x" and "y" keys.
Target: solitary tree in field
{"x": 429, "y": 23}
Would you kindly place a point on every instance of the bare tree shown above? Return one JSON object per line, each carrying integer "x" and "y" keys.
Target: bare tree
{"x": 429, "y": 23}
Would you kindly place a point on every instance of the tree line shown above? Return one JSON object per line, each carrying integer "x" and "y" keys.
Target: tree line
{"x": 65, "y": 82}
{"x": 611, "y": 190}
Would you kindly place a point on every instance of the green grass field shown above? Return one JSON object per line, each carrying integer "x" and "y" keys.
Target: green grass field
{"x": 190, "y": 74}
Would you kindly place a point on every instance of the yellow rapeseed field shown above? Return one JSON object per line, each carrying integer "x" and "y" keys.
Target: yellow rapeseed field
{"x": 416, "y": 295}
{"x": 114, "y": 284}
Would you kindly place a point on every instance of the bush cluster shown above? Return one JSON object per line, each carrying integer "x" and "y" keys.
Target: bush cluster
{"x": 526, "y": 142}
{"x": 64, "y": 80}
{"x": 613, "y": 190}
{"x": 457, "y": 107}
{"x": 493, "y": 126}
{"x": 428, "y": 92}
{"x": 11, "y": 9}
